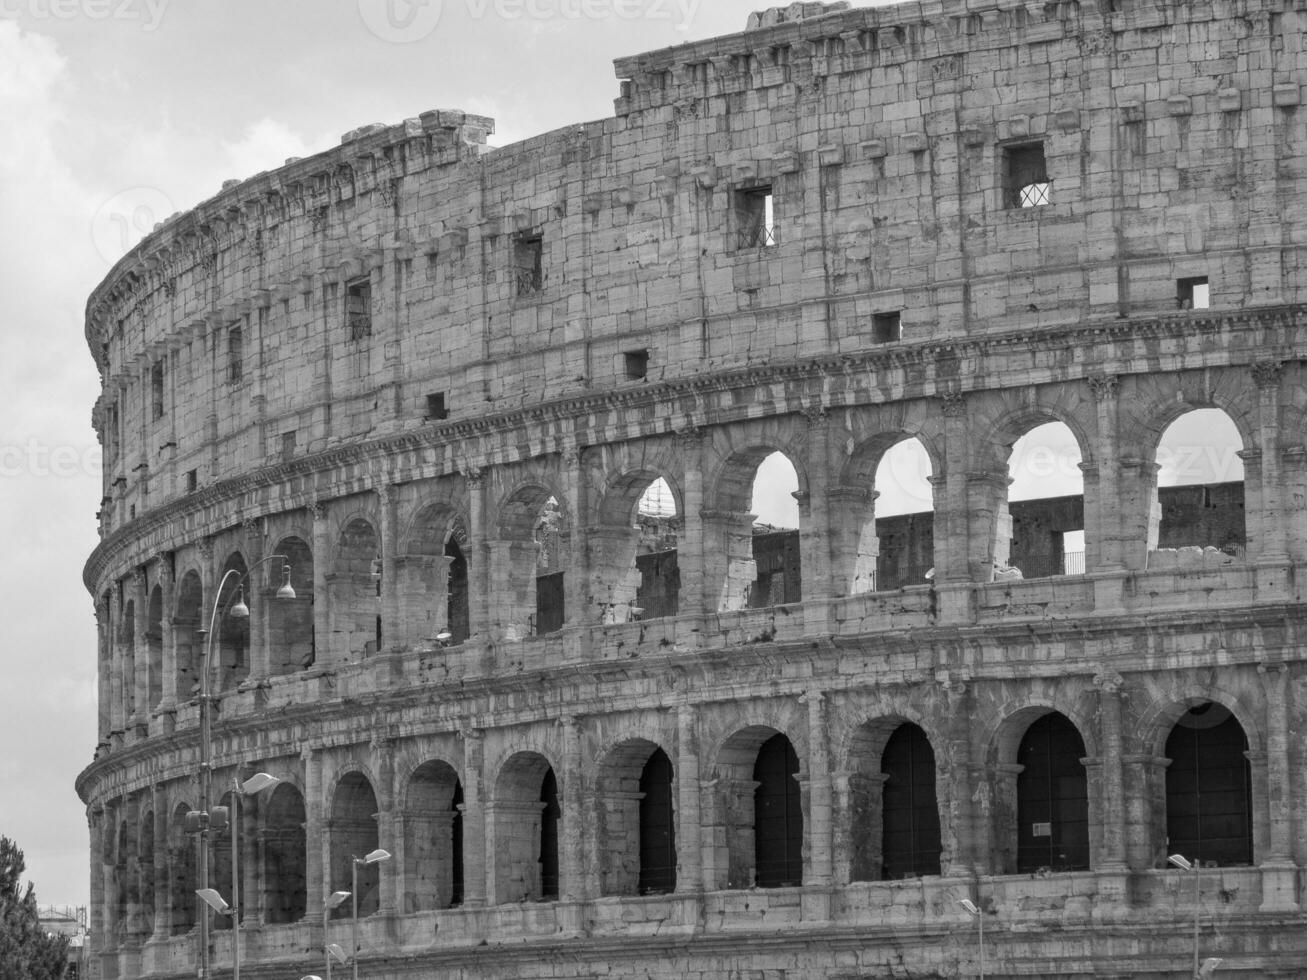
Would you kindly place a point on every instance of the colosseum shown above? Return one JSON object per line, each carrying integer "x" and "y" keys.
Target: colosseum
{"x": 431, "y": 489}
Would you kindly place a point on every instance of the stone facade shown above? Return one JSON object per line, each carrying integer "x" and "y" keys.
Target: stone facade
{"x": 435, "y": 380}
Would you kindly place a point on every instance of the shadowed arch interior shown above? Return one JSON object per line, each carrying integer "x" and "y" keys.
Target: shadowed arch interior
{"x": 353, "y": 835}
{"x": 1209, "y": 788}
{"x": 910, "y": 810}
{"x": 1052, "y": 797}
{"x": 433, "y": 858}
{"x": 285, "y": 855}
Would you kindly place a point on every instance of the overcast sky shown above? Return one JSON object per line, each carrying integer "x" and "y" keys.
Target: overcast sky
{"x": 117, "y": 113}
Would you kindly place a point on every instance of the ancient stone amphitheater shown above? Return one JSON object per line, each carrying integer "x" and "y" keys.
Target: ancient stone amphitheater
{"x": 496, "y": 415}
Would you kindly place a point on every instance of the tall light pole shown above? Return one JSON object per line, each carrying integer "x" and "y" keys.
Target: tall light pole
{"x": 974, "y": 910}
{"x": 372, "y": 857}
{"x": 200, "y": 818}
{"x": 1184, "y": 864}
{"x": 331, "y": 950}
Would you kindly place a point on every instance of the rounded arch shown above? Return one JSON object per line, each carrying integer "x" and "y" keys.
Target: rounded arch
{"x": 520, "y": 505}
{"x": 188, "y": 619}
{"x": 354, "y": 605}
{"x": 433, "y": 852}
{"x": 1209, "y": 799}
{"x": 129, "y": 668}
{"x": 524, "y": 827}
{"x": 530, "y": 556}
{"x": 1162, "y": 399}
{"x": 154, "y": 649}
{"x": 635, "y": 829}
{"x": 730, "y": 483}
{"x": 623, "y": 492}
{"x": 433, "y": 577}
{"x": 233, "y": 639}
{"x": 353, "y": 833}
{"x": 1052, "y": 790}
{"x": 285, "y": 856}
{"x": 292, "y": 640}
{"x": 635, "y": 555}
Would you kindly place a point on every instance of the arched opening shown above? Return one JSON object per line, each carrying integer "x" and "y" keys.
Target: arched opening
{"x": 524, "y": 823}
{"x": 1209, "y": 788}
{"x": 182, "y": 869}
{"x": 656, "y": 555}
{"x": 657, "y": 826}
{"x": 433, "y": 582}
{"x": 633, "y": 551}
{"x": 1046, "y": 505}
{"x": 291, "y": 646}
{"x": 905, "y": 516}
{"x": 355, "y": 588}
{"x": 775, "y": 542}
{"x": 530, "y": 557}
{"x": 457, "y": 618}
{"x": 1052, "y": 797}
{"x": 778, "y": 815}
{"x": 1198, "y": 507}
{"x": 154, "y": 648}
{"x": 233, "y": 631}
{"x": 126, "y": 900}
{"x": 909, "y": 810}
{"x": 187, "y": 639}
{"x": 636, "y": 835}
{"x": 145, "y": 878}
{"x": 127, "y": 641}
{"x": 432, "y": 853}
{"x": 285, "y": 856}
{"x": 354, "y": 834}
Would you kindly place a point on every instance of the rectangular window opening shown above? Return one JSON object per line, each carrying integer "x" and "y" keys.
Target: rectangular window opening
{"x": 235, "y": 353}
{"x": 436, "y": 407}
{"x": 1073, "y": 552}
{"x": 192, "y": 480}
{"x": 156, "y": 390}
{"x": 358, "y": 308}
{"x": 528, "y": 263}
{"x": 886, "y": 327}
{"x": 755, "y": 215}
{"x": 637, "y": 364}
{"x": 1192, "y": 293}
{"x": 1025, "y": 177}
{"x": 288, "y": 440}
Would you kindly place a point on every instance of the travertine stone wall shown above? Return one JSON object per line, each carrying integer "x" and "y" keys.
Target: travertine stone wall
{"x": 435, "y": 380}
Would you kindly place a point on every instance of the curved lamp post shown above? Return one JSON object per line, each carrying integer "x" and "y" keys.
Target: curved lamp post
{"x": 974, "y": 910}
{"x": 332, "y": 950}
{"x": 199, "y": 819}
{"x": 372, "y": 857}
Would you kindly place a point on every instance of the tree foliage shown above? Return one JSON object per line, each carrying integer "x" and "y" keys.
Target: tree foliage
{"x": 26, "y": 951}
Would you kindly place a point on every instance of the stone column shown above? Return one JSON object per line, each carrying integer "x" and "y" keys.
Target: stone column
{"x": 578, "y": 609}
{"x": 951, "y": 519}
{"x": 571, "y": 870}
{"x": 475, "y": 870}
{"x": 959, "y": 829}
{"x": 854, "y": 546}
{"x": 1269, "y": 549}
{"x": 1145, "y": 831}
{"x": 1139, "y": 510}
{"x": 689, "y": 856}
{"x": 104, "y": 672}
{"x": 1103, "y": 541}
{"x": 316, "y": 873}
{"x": 820, "y": 816}
{"x": 391, "y": 885}
{"x": 1279, "y": 872}
{"x": 117, "y": 717}
{"x": 167, "y": 584}
{"x": 478, "y": 554}
{"x": 140, "y": 680}
{"x": 815, "y": 551}
{"x": 1112, "y": 800}
{"x": 388, "y": 508}
{"x": 324, "y": 650}
{"x": 691, "y": 558}
{"x": 260, "y": 600}
{"x": 162, "y": 923}
{"x": 729, "y": 570}
{"x": 96, "y": 914}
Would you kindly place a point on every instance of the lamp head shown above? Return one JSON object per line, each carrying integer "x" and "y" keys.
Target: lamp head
{"x": 285, "y": 592}
{"x": 970, "y": 906}
{"x": 336, "y": 953}
{"x": 258, "y": 783}
{"x": 240, "y": 610}
{"x": 372, "y": 857}
{"x": 1209, "y": 966}
{"x": 335, "y": 898}
{"x": 1180, "y": 861}
{"x": 215, "y": 901}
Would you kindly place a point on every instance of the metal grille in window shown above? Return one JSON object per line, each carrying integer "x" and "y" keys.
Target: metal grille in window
{"x": 1028, "y": 185}
{"x": 235, "y": 368}
{"x": 528, "y": 265}
{"x": 756, "y": 218}
{"x": 358, "y": 309}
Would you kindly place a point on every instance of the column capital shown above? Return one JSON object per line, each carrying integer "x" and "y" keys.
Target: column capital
{"x": 475, "y": 477}
{"x": 1266, "y": 374}
{"x": 1103, "y": 386}
{"x": 318, "y": 510}
{"x": 954, "y": 404}
{"x": 1109, "y": 682}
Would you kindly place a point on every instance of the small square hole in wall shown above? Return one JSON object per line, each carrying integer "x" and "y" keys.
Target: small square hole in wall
{"x": 886, "y": 327}
{"x": 192, "y": 480}
{"x": 637, "y": 364}
{"x": 436, "y": 407}
{"x": 1192, "y": 293}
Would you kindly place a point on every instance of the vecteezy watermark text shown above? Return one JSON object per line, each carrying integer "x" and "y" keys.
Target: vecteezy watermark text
{"x": 148, "y": 12}
{"x": 406, "y": 21}
{"x": 37, "y": 459}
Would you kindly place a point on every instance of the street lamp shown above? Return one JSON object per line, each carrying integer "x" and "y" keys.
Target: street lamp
{"x": 1184, "y": 864}
{"x": 331, "y": 950}
{"x": 974, "y": 910}
{"x": 1209, "y": 966}
{"x": 199, "y": 820}
{"x": 372, "y": 857}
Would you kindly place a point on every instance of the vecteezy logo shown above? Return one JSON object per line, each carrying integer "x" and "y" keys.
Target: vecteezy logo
{"x": 400, "y": 21}
{"x": 126, "y": 218}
